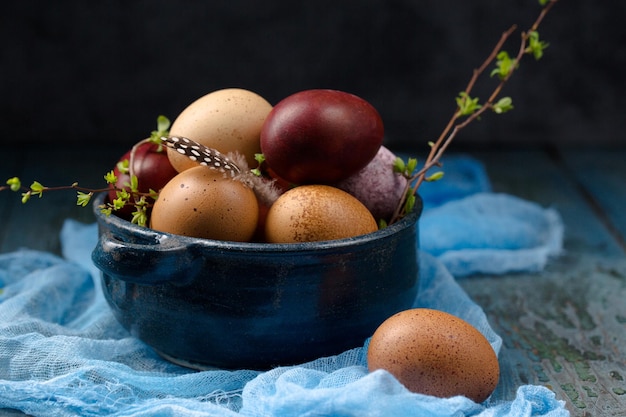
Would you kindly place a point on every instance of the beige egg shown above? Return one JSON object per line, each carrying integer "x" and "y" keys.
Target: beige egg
{"x": 435, "y": 353}
{"x": 310, "y": 213}
{"x": 201, "y": 202}
{"x": 228, "y": 120}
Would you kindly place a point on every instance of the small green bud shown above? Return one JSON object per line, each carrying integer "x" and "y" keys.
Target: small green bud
{"x": 398, "y": 165}
{"x": 83, "y": 198}
{"x": 504, "y": 65}
{"x": 163, "y": 125}
{"x": 140, "y": 216}
{"x": 409, "y": 204}
{"x": 118, "y": 203}
{"x": 435, "y": 177}
{"x": 503, "y": 105}
{"x": 153, "y": 194}
{"x": 259, "y": 157}
{"x": 123, "y": 194}
{"x": 14, "y": 183}
{"x": 411, "y": 165}
{"x": 37, "y": 189}
{"x": 124, "y": 166}
{"x": 467, "y": 105}
{"x": 110, "y": 177}
{"x": 134, "y": 183}
{"x": 535, "y": 46}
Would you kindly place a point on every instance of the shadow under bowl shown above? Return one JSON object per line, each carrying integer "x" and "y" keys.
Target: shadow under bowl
{"x": 216, "y": 304}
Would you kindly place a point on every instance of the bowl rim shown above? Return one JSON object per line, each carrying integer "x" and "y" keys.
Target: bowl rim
{"x": 159, "y": 237}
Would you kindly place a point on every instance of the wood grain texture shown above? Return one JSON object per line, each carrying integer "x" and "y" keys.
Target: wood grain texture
{"x": 564, "y": 328}
{"x": 602, "y": 175}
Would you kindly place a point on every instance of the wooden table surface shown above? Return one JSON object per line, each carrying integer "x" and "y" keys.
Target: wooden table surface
{"x": 564, "y": 328}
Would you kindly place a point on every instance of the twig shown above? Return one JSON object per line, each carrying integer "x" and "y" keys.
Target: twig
{"x": 453, "y": 127}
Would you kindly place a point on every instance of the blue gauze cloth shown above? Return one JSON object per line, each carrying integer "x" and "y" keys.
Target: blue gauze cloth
{"x": 62, "y": 353}
{"x": 472, "y": 230}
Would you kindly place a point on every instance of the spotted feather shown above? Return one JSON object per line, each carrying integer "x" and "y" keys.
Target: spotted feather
{"x": 201, "y": 154}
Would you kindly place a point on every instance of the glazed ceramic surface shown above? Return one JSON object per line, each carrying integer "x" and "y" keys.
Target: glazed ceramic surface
{"x": 206, "y": 303}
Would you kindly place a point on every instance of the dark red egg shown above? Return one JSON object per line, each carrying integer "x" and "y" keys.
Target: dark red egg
{"x": 152, "y": 168}
{"x": 321, "y": 136}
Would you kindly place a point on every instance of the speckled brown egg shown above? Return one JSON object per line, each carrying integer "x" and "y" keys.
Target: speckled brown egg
{"x": 311, "y": 213}
{"x": 229, "y": 120}
{"x": 201, "y": 202}
{"x": 435, "y": 353}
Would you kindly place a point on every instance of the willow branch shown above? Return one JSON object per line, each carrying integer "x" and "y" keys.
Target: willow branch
{"x": 453, "y": 127}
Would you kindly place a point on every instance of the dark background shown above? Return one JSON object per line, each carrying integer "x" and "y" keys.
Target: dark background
{"x": 82, "y": 71}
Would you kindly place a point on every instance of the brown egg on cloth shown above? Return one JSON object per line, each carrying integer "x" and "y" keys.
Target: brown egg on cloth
{"x": 311, "y": 213}
{"x": 204, "y": 203}
{"x": 435, "y": 353}
{"x": 228, "y": 120}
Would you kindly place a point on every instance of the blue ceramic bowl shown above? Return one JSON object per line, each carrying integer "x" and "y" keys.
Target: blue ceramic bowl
{"x": 215, "y": 304}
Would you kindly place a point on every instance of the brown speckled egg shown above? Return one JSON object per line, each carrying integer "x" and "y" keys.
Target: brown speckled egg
{"x": 201, "y": 202}
{"x": 311, "y": 213}
{"x": 435, "y": 353}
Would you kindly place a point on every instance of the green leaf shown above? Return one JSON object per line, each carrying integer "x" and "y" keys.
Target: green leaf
{"x": 37, "y": 189}
{"x": 504, "y": 65}
{"x": 124, "y": 166}
{"x": 140, "y": 216}
{"x": 399, "y": 166}
{"x": 123, "y": 194}
{"x": 106, "y": 210}
{"x": 83, "y": 198}
{"x": 409, "y": 204}
{"x": 141, "y": 202}
{"x": 14, "y": 183}
{"x": 153, "y": 194}
{"x": 404, "y": 168}
{"x": 467, "y": 105}
{"x": 110, "y": 177}
{"x": 119, "y": 203}
{"x": 503, "y": 105}
{"x": 163, "y": 125}
{"x": 544, "y": 2}
{"x": 382, "y": 223}
{"x": 435, "y": 177}
{"x": 259, "y": 157}
{"x": 535, "y": 46}
{"x": 134, "y": 183}
{"x": 26, "y": 197}
{"x": 411, "y": 165}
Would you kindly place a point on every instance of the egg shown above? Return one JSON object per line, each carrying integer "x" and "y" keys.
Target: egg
{"x": 435, "y": 353}
{"x": 228, "y": 120}
{"x": 201, "y": 202}
{"x": 377, "y": 185}
{"x": 311, "y": 213}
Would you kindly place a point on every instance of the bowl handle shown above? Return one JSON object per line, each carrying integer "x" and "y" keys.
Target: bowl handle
{"x": 156, "y": 261}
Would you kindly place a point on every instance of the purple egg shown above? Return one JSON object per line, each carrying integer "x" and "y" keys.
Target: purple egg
{"x": 377, "y": 186}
